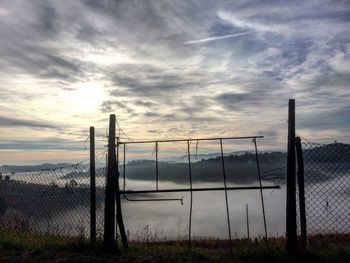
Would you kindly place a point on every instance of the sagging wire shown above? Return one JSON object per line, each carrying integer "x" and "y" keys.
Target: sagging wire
{"x": 121, "y": 131}
{"x": 187, "y": 151}
{"x": 327, "y": 207}
{"x": 226, "y": 199}
{"x": 191, "y": 193}
{"x": 107, "y": 134}
{"x": 157, "y": 170}
{"x": 85, "y": 143}
{"x": 155, "y": 149}
{"x": 307, "y": 141}
{"x": 276, "y": 174}
{"x": 196, "y": 149}
{"x": 97, "y": 155}
{"x": 144, "y": 199}
{"x": 261, "y": 192}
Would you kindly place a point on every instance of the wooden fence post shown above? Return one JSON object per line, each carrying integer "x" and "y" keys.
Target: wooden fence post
{"x": 92, "y": 187}
{"x": 301, "y": 190}
{"x": 119, "y": 206}
{"x": 109, "y": 224}
{"x": 291, "y": 224}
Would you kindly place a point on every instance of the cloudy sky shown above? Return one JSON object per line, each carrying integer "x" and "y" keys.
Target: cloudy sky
{"x": 169, "y": 69}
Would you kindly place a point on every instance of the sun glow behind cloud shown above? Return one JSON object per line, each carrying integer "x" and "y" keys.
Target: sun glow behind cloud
{"x": 107, "y": 58}
{"x": 87, "y": 96}
{"x": 66, "y": 65}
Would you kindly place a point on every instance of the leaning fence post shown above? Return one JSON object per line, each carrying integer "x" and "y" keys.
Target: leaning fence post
{"x": 291, "y": 224}
{"x": 120, "y": 221}
{"x": 300, "y": 176}
{"x": 191, "y": 195}
{"x": 92, "y": 187}
{"x": 109, "y": 224}
{"x": 226, "y": 199}
{"x": 261, "y": 191}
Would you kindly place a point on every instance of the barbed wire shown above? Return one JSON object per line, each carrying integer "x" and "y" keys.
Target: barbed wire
{"x": 121, "y": 131}
{"x": 196, "y": 153}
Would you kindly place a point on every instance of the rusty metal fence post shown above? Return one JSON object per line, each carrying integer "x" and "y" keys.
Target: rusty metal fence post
{"x": 119, "y": 215}
{"x": 92, "y": 187}
{"x": 301, "y": 190}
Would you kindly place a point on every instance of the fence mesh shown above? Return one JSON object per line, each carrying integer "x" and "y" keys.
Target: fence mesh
{"x": 53, "y": 201}
{"x": 327, "y": 191}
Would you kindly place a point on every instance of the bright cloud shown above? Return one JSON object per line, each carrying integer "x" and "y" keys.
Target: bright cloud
{"x": 171, "y": 69}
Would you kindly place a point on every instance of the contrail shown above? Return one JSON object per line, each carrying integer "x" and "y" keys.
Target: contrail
{"x": 204, "y": 40}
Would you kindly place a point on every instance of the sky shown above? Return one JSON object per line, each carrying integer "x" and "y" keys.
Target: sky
{"x": 169, "y": 69}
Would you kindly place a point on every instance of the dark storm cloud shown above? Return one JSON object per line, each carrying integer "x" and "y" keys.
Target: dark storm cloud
{"x": 338, "y": 119}
{"x": 33, "y": 43}
{"x": 239, "y": 101}
{"x": 49, "y": 20}
{"x": 147, "y": 104}
{"x": 268, "y": 133}
{"x": 149, "y": 80}
{"x": 43, "y": 62}
{"x": 151, "y": 114}
{"x": 232, "y": 99}
{"x": 328, "y": 79}
{"x": 110, "y": 105}
{"x": 11, "y": 122}
{"x": 47, "y": 144}
{"x": 116, "y": 106}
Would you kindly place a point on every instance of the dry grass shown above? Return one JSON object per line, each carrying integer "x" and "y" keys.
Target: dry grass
{"x": 16, "y": 246}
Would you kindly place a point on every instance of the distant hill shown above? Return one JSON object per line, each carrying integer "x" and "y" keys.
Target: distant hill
{"x": 322, "y": 163}
{"x": 326, "y": 162}
{"x": 100, "y": 172}
{"x": 334, "y": 152}
{"x": 239, "y": 168}
{"x": 198, "y": 157}
{"x": 31, "y": 168}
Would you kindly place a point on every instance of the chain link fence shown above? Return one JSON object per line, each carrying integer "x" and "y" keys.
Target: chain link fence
{"x": 54, "y": 201}
{"x": 327, "y": 192}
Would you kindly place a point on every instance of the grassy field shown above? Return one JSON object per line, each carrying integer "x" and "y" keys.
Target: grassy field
{"x": 27, "y": 247}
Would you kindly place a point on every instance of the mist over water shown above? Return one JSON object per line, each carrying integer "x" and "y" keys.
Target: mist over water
{"x": 327, "y": 211}
{"x": 209, "y": 218}
{"x": 158, "y": 220}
